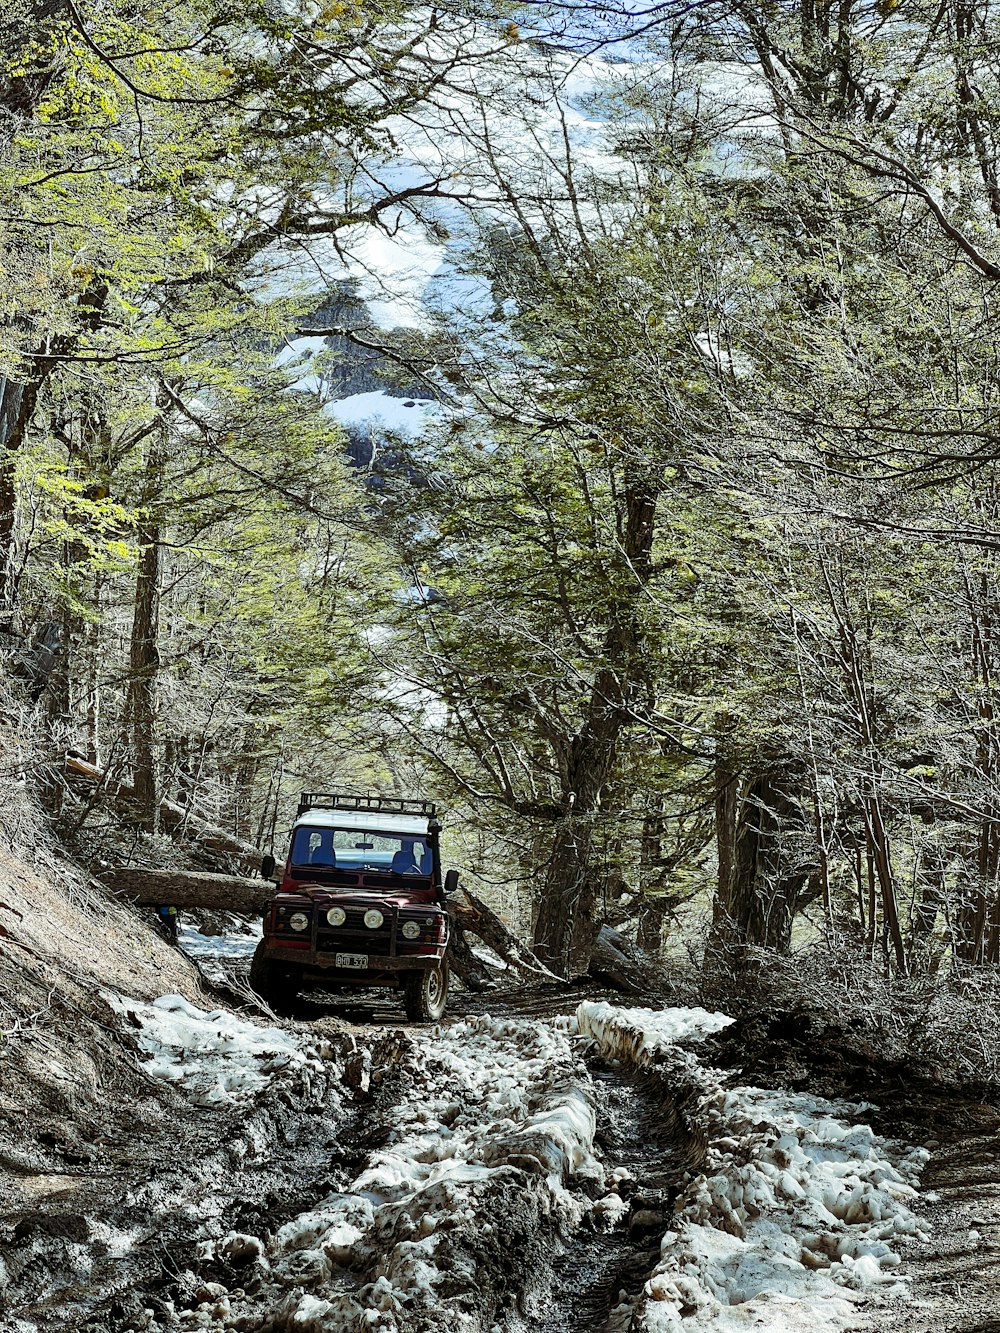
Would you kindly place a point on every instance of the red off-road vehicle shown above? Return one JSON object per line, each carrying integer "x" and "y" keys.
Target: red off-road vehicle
{"x": 361, "y": 903}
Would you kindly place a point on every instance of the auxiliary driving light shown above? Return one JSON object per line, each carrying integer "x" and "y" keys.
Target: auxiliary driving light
{"x": 411, "y": 930}
{"x": 373, "y": 919}
{"x": 298, "y": 921}
{"x": 336, "y": 916}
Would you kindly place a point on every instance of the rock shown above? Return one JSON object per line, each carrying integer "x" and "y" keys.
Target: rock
{"x": 206, "y": 1293}
{"x": 240, "y": 1249}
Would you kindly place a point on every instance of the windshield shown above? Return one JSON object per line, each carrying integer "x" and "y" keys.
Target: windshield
{"x": 360, "y": 849}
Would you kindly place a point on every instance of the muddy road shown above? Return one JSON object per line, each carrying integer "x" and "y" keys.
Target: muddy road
{"x": 954, "y": 1273}
{"x": 544, "y": 1160}
{"x": 482, "y": 1138}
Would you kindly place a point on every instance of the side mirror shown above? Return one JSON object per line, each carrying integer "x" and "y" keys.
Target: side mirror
{"x": 267, "y": 866}
{"x": 451, "y": 881}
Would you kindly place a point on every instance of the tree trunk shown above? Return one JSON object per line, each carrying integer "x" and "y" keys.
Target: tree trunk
{"x": 469, "y": 914}
{"x": 17, "y": 409}
{"x": 144, "y": 657}
{"x": 626, "y": 966}
{"x": 565, "y": 928}
{"x": 144, "y": 662}
{"x": 770, "y": 867}
{"x": 652, "y": 914}
{"x": 727, "y": 791}
{"x": 184, "y": 888}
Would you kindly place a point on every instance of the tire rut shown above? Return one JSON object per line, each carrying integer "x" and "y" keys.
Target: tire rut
{"x": 597, "y": 1270}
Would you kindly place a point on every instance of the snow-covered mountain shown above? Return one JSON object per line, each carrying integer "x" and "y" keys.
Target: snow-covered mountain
{"x": 519, "y": 132}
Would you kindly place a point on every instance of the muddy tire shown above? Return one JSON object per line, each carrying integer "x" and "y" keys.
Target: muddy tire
{"x": 277, "y": 986}
{"x": 427, "y": 994}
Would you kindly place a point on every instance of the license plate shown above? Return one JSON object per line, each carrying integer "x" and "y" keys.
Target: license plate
{"x": 351, "y": 960}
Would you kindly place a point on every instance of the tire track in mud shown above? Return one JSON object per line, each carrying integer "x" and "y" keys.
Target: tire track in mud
{"x": 120, "y": 1251}
{"x": 601, "y": 1268}
{"x": 455, "y": 1223}
{"x": 519, "y": 1255}
{"x": 300, "y": 1224}
{"x": 572, "y": 1282}
{"x": 651, "y": 1138}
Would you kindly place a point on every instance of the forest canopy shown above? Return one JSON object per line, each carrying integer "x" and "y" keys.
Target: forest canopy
{"x": 681, "y": 592}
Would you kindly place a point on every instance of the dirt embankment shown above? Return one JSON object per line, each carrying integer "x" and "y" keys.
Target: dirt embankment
{"x": 60, "y": 1053}
{"x": 77, "y": 1112}
{"x": 108, "y": 1172}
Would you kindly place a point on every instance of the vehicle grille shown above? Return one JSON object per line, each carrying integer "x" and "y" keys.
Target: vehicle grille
{"x": 354, "y": 936}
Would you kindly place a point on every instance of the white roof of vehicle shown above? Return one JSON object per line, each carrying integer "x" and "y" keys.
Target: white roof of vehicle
{"x": 370, "y": 820}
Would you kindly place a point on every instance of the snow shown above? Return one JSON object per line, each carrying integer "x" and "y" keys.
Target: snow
{"x": 212, "y": 953}
{"x": 218, "y": 1058}
{"x": 403, "y": 416}
{"x": 787, "y": 1228}
{"x": 197, "y": 945}
{"x": 638, "y": 1033}
{"x": 300, "y": 350}
{"x": 394, "y": 271}
{"x": 505, "y": 107}
{"x": 795, "y": 1215}
{"x": 486, "y": 1096}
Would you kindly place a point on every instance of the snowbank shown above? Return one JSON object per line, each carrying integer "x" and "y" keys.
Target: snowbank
{"x": 636, "y": 1034}
{"x": 794, "y": 1215}
{"x": 488, "y": 1159}
{"x": 217, "y": 1057}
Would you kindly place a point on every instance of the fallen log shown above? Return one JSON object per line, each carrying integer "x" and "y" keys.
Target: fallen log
{"x": 178, "y": 819}
{"x": 188, "y": 888}
{"x": 471, "y": 915}
{"x": 627, "y": 967}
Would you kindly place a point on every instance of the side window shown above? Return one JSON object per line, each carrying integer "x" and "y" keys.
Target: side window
{"x": 313, "y": 847}
{"x": 412, "y": 858}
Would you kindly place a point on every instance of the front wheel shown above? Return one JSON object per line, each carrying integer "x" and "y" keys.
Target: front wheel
{"x": 427, "y": 994}
{"x": 276, "y": 985}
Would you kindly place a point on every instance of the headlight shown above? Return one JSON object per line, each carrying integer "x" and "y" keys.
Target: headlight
{"x": 373, "y": 919}
{"x": 298, "y": 921}
{"x": 336, "y": 916}
{"x": 411, "y": 930}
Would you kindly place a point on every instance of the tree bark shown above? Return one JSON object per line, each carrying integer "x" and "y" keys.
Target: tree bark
{"x": 652, "y": 914}
{"x": 144, "y": 656}
{"x": 18, "y": 402}
{"x": 184, "y": 888}
{"x": 627, "y": 967}
{"x": 144, "y": 662}
{"x": 770, "y": 866}
{"x": 727, "y": 792}
{"x": 470, "y": 914}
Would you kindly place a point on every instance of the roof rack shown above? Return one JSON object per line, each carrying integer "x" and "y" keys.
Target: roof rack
{"x": 338, "y": 800}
